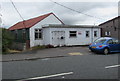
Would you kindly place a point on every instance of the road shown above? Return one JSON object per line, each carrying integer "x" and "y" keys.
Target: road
{"x": 75, "y": 66}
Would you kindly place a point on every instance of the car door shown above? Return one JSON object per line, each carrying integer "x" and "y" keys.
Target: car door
{"x": 116, "y": 45}
{"x": 111, "y": 45}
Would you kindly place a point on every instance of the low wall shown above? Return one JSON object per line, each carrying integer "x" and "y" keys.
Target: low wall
{"x": 18, "y": 46}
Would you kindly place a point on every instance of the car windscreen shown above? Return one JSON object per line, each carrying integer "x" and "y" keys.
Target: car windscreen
{"x": 101, "y": 40}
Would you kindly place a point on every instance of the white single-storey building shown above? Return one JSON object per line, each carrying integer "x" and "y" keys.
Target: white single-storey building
{"x": 67, "y": 35}
{"x": 48, "y": 29}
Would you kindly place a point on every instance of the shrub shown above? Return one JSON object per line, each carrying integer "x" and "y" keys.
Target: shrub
{"x": 38, "y": 47}
{"x": 7, "y": 39}
{"x": 49, "y": 46}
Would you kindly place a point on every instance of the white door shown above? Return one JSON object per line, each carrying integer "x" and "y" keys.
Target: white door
{"x": 58, "y": 38}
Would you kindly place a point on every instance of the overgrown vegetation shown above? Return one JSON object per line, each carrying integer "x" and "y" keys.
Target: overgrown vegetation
{"x": 7, "y": 39}
{"x": 42, "y": 47}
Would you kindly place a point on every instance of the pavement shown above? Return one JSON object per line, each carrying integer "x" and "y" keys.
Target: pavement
{"x": 45, "y": 53}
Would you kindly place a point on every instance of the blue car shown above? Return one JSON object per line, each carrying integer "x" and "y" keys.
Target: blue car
{"x": 105, "y": 45}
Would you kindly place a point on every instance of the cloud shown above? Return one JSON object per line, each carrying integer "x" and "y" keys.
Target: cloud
{"x": 33, "y": 9}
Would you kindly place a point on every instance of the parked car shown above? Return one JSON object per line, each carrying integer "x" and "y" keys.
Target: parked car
{"x": 105, "y": 45}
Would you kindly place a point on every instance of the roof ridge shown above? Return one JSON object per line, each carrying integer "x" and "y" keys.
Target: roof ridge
{"x": 27, "y": 23}
{"x": 38, "y": 16}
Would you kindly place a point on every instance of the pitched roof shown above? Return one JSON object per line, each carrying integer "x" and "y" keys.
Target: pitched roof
{"x": 31, "y": 22}
{"x": 109, "y": 20}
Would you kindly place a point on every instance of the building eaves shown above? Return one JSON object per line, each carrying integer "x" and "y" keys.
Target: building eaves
{"x": 109, "y": 20}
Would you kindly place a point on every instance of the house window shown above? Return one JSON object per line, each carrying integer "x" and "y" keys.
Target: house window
{"x": 107, "y": 33}
{"x": 110, "y": 42}
{"x": 95, "y": 33}
{"x": 73, "y": 33}
{"x": 87, "y": 33}
{"x": 38, "y": 34}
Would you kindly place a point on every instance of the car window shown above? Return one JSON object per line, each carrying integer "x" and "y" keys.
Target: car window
{"x": 100, "y": 40}
{"x": 110, "y": 41}
{"x": 115, "y": 41}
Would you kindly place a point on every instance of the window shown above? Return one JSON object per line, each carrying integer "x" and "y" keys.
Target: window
{"x": 101, "y": 40}
{"x": 95, "y": 33}
{"x": 107, "y": 33}
{"x": 87, "y": 33}
{"x": 115, "y": 41}
{"x": 73, "y": 33}
{"x": 110, "y": 42}
{"x": 38, "y": 34}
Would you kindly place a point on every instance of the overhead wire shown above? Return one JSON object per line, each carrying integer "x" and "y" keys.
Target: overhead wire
{"x": 75, "y": 10}
{"x": 18, "y": 13}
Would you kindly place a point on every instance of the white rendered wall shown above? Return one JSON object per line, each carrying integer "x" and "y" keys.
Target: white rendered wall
{"x": 81, "y": 39}
{"x": 51, "y": 19}
{"x": 46, "y": 36}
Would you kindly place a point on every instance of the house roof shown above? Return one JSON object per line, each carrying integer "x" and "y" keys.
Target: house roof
{"x": 31, "y": 22}
{"x": 109, "y": 21}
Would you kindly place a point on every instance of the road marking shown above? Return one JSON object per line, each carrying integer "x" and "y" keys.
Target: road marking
{"x": 49, "y": 76}
{"x": 75, "y": 53}
{"x": 112, "y": 66}
{"x": 46, "y": 59}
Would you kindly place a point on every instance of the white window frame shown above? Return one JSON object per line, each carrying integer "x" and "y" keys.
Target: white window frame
{"x": 95, "y": 33}
{"x": 39, "y": 34}
{"x": 87, "y": 32}
{"x": 107, "y": 33}
{"x": 72, "y": 33}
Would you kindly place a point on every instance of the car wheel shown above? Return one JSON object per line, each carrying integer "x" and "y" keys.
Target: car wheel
{"x": 106, "y": 51}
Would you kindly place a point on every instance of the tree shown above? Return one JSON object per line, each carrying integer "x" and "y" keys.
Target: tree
{"x": 7, "y": 39}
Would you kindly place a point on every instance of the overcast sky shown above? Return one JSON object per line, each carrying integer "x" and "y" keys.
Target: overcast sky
{"x": 30, "y": 9}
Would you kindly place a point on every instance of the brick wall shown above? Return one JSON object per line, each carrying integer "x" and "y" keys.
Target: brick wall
{"x": 111, "y": 26}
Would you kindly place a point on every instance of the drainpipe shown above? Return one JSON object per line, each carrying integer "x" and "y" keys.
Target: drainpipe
{"x": 91, "y": 34}
{"x": 118, "y": 28}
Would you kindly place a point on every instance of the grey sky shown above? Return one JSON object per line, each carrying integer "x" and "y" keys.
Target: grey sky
{"x": 104, "y": 10}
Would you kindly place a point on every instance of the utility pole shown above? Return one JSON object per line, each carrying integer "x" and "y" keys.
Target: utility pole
{"x": 0, "y": 20}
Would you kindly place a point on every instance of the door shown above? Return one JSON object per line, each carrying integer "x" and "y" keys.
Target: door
{"x": 58, "y": 38}
{"x": 114, "y": 45}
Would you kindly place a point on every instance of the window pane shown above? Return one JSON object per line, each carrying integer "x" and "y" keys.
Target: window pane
{"x": 110, "y": 42}
{"x": 40, "y": 35}
{"x": 100, "y": 40}
{"x": 115, "y": 41}
{"x": 87, "y": 33}
{"x": 36, "y": 35}
{"x": 72, "y": 33}
{"x": 95, "y": 33}
{"x": 36, "y": 30}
